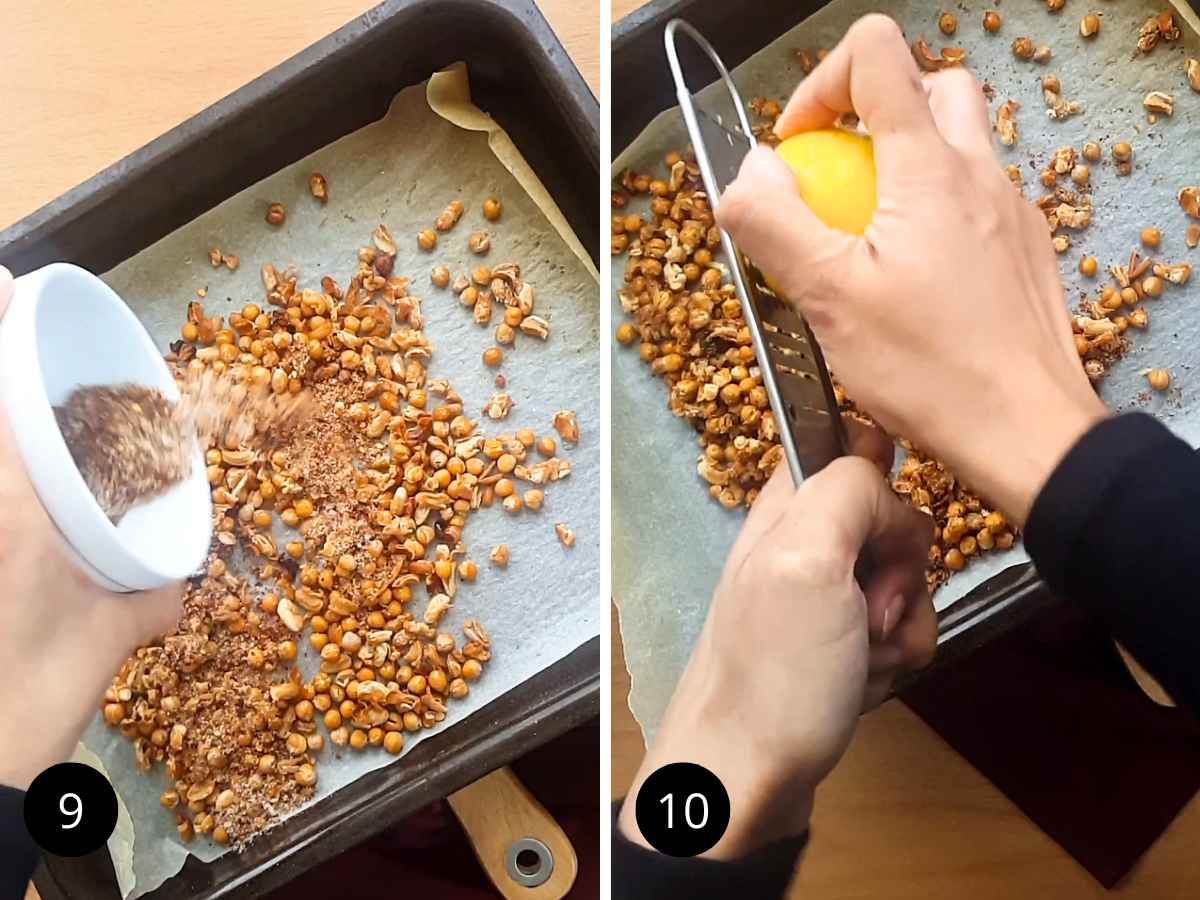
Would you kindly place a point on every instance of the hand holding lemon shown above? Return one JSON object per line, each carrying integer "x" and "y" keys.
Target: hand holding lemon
{"x": 926, "y": 277}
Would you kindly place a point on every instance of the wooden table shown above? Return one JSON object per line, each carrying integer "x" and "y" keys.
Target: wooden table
{"x": 904, "y": 817}
{"x": 82, "y": 83}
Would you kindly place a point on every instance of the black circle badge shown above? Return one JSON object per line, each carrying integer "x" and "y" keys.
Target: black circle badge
{"x": 70, "y": 809}
{"x": 682, "y": 809}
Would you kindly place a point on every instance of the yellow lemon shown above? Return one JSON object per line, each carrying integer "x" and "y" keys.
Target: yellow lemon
{"x": 835, "y": 172}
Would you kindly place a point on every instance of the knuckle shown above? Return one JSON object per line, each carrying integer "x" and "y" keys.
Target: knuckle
{"x": 876, "y": 27}
{"x": 819, "y": 562}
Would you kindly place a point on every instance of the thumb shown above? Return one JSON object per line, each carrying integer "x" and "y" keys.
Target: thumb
{"x": 764, "y": 213}
{"x": 855, "y": 504}
{"x": 152, "y": 614}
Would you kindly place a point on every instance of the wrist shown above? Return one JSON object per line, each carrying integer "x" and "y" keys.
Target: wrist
{"x": 1027, "y": 432}
{"x": 770, "y": 795}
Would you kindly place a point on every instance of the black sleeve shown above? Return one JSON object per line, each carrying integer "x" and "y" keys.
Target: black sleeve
{"x": 18, "y": 853}
{"x": 641, "y": 874}
{"x": 1112, "y": 531}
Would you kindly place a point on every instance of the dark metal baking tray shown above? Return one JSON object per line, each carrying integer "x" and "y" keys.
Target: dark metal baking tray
{"x": 523, "y": 77}
{"x": 645, "y": 89}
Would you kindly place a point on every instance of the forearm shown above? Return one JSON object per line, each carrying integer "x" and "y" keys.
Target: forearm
{"x": 770, "y": 803}
{"x": 1113, "y": 530}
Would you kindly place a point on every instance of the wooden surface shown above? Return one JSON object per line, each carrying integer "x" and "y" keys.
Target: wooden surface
{"x": 496, "y": 811}
{"x": 624, "y": 7}
{"x": 83, "y": 83}
{"x": 904, "y": 817}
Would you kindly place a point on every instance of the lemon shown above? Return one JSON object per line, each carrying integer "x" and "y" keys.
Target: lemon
{"x": 835, "y": 172}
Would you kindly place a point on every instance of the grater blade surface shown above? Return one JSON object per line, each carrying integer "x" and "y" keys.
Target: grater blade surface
{"x": 793, "y": 369}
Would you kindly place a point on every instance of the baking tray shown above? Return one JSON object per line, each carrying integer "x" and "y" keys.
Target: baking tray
{"x": 523, "y": 77}
{"x": 644, "y": 90}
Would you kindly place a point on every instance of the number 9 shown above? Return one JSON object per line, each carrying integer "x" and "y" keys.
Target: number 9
{"x": 77, "y": 811}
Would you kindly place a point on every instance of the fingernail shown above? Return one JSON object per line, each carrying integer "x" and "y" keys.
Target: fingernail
{"x": 891, "y": 615}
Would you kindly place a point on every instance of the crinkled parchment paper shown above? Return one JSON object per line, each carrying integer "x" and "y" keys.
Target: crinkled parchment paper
{"x": 669, "y": 539}
{"x": 431, "y": 147}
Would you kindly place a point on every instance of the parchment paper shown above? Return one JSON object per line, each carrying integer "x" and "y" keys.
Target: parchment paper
{"x": 669, "y": 539}
{"x": 402, "y": 171}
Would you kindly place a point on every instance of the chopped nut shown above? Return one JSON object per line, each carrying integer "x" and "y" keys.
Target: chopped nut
{"x": 449, "y": 217}
{"x": 1148, "y": 35}
{"x": 950, "y": 56}
{"x": 1023, "y": 48}
{"x": 1192, "y": 237}
{"x": 565, "y": 534}
{"x": 1061, "y": 242}
{"x": 1178, "y": 273}
{"x": 1055, "y": 5}
{"x": 500, "y": 555}
{"x": 276, "y": 214}
{"x": 1064, "y": 160}
{"x": 1192, "y": 68}
{"x": 947, "y": 23}
{"x": 214, "y": 257}
{"x": 1006, "y": 122}
{"x": 535, "y": 326}
{"x": 567, "y": 425}
{"x": 1189, "y": 200}
{"x": 1089, "y": 25}
{"x": 318, "y": 186}
{"x": 1058, "y": 107}
{"x": 1158, "y": 102}
{"x": 499, "y": 406}
{"x": 479, "y": 242}
{"x": 1042, "y": 54}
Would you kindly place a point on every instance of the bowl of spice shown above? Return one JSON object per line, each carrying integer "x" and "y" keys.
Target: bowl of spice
{"x": 95, "y": 414}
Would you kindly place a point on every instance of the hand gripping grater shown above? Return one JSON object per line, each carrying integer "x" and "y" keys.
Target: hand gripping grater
{"x": 793, "y": 369}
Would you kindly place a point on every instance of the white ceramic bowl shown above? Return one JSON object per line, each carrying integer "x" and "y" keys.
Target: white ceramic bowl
{"x": 66, "y": 328}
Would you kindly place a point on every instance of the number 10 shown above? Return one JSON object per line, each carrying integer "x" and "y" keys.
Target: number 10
{"x": 669, "y": 800}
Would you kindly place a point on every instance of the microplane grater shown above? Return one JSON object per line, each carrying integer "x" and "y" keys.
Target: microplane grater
{"x": 793, "y": 369}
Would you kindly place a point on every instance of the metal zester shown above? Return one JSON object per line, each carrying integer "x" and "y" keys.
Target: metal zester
{"x": 793, "y": 369}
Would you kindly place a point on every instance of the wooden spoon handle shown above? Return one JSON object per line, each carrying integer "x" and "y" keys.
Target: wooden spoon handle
{"x": 520, "y": 846}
